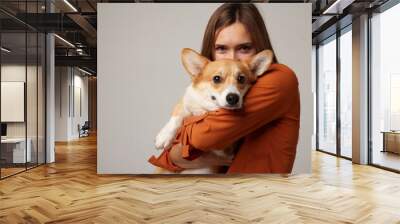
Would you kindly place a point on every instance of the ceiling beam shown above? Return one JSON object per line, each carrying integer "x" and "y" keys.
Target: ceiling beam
{"x": 85, "y": 61}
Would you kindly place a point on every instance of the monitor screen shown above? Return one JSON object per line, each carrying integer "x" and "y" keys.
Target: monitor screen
{"x": 3, "y": 129}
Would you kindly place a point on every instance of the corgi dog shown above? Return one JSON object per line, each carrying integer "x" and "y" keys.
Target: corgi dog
{"x": 214, "y": 85}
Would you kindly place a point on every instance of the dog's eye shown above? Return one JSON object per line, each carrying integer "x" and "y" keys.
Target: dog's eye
{"x": 217, "y": 79}
{"x": 241, "y": 79}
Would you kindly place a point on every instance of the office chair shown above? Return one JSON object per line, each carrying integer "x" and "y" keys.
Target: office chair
{"x": 84, "y": 130}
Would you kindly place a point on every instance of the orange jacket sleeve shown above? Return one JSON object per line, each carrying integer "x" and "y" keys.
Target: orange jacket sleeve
{"x": 270, "y": 98}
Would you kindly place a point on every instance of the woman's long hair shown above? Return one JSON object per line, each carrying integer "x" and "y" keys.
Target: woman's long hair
{"x": 229, "y": 13}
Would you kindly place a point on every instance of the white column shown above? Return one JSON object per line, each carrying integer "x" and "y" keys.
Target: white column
{"x": 50, "y": 92}
{"x": 360, "y": 90}
{"x": 50, "y": 110}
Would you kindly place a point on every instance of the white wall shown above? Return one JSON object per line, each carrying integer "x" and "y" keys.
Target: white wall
{"x": 139, "y": 85}
{"x": 16, "y": 72}
{"x": 62, "y": 80}
{"x": 67, "y": 81}
{"x": 80, "y": 83}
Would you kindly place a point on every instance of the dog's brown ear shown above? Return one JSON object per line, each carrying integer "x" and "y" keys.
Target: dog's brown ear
{"x": 260, "y": 63}
{"x": 193, "y": 62}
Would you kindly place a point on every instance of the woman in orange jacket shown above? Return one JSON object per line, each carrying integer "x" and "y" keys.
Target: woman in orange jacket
{"x": 268, "y": 125}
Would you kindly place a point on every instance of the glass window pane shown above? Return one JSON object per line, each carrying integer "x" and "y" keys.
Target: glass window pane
{"x": 327, "y": 96}
{"x": 386, "y": 89}
{"x": 41, "y": 98}
{"x": 346, "y": 94}
{"x": 23, "y": 78}
{"x": 32, "y": 95}
{"x": 31, "y": 87}
{"x": 13, "y": 87}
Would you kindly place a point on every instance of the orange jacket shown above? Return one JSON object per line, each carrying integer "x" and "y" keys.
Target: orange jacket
{"x": 268, "y": 124}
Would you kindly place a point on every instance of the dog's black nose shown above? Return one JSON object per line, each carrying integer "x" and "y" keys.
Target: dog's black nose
{"x": 232, "y": 99}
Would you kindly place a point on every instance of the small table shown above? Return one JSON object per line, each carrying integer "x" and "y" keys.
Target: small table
{"x": 391, "y": 141}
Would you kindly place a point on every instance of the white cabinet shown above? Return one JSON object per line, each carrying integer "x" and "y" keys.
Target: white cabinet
{"x": 17, "y": 145}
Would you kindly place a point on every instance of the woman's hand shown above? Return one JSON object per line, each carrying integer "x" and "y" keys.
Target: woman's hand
{"x": 207, "y": 159}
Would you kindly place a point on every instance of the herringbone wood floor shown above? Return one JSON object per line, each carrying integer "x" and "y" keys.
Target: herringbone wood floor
{"x": 70, "y": 191}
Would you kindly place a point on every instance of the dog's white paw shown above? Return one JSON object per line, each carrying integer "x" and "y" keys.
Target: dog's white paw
{"x": 164, "y": 139}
